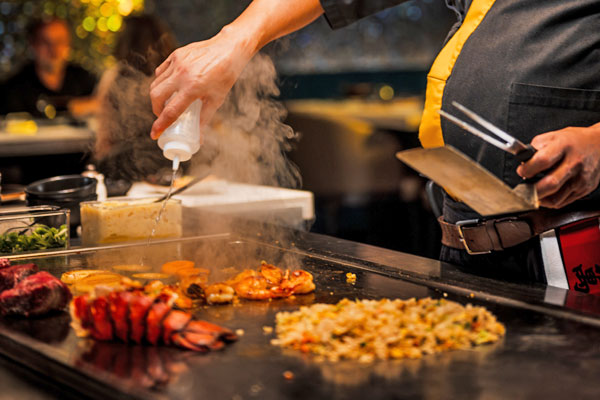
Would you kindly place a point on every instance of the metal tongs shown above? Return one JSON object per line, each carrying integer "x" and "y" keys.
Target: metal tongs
{"x": 521, "y": 151}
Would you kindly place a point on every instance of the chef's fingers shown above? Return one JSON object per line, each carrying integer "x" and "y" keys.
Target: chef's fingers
{"x": 556, "y": 179}
{"x": 579, "y": 186}
{"x": 160, "y": 94}
{"x": 166, "y": 74}
{"x": 569, "y": 192}
{"x": 164, "y": 65}
{"x": 555, "y": 200}
{"x": 542, "y": 140}
{"x": 544, "y": 158}
{"x": 549, "y": 151}
{"x": 177, "y": 105}
{"x": 574, "y": 196}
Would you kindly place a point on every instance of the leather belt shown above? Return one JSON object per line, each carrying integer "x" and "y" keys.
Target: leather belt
{"x": 482, "y": 236}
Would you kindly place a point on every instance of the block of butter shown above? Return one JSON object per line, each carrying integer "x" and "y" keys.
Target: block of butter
{"x": 125, "y": 220}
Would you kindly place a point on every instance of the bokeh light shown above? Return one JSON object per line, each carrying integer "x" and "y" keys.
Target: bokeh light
{"x": 386, "y": 92}
{"x": 95, "y": 24}
{"x": 114, "y": 23}
{"x": 101, "y": 24}
{"x": 106, "y": 10}
{"x": 89, "y": 24}
{"x": 125, "y": 7}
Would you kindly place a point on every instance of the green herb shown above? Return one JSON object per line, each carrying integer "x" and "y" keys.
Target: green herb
{"x": 483, "y": 336}
{"x": 38, "y": 237}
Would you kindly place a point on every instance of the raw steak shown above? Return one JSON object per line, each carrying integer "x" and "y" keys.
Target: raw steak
{"x": 35, "y": 295}
{"x": 10, "y": 276}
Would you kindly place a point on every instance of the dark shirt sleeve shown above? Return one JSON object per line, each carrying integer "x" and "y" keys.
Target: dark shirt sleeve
{"x": 23, "y": 91}
{"x": 89, "y": 83}
{"x": 78, "y": 82}
{"x": 17, "y": 93}
{"x": 340, "y": 13}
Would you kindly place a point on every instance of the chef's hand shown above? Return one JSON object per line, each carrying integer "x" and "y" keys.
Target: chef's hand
{"x": 207, "y": 70}
{"x": 204, "y": 70}
{"x": 570, "y": 158}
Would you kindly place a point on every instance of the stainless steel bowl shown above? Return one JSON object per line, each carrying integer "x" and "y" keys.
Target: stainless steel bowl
{"x": 62, "y": 187}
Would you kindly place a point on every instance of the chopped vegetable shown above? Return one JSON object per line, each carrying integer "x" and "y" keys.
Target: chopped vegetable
{"x": 132, "y": 268}
{"x": 152, "y": 276}
{"x": 288, "y": 375}
{"x": 183, "y": 272}
{"x": 172, "y": 267}
{"x": 267, "y": 330}
{"x": 38, "y": 237}
{"x": 71, "y": 277}
{"x": 88, "y": 283}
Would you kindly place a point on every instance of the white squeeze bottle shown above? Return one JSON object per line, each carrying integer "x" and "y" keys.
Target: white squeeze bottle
{"x": 182, "y": 139}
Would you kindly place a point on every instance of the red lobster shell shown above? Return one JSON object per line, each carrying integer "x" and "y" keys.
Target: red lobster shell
{"x": 133, "y": 316}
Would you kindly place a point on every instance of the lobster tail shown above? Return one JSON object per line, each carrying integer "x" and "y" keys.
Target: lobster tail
{"x": 119, "y": 313}
{"x": 102, "y": 328}
{"x": 203, "y": 336}
{"x": 135, "y": 316}
{"x": 176, "y": 321}
{"x": 155, "y": 321}
{"x": 139, "y": 306}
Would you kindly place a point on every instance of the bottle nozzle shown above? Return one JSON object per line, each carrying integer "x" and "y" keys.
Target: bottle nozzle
{"x": 175, "y": 163}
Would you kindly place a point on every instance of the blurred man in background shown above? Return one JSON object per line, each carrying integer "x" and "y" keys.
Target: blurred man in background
{"x": 50, "y": 84}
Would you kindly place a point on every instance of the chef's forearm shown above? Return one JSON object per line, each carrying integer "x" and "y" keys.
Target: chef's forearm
{"x": 266, "y": 20}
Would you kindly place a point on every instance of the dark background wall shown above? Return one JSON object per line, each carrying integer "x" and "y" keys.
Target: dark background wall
{"x": 395, "y": 46}
{"x": 403, "y": 37}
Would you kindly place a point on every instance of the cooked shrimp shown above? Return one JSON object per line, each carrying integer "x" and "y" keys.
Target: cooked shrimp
{"x": 241, "y": 276}
{"x": 253, "y": 287}
{"x": 271, "y": 273}
{"x": 180, "y": 300}
{"x": 299, "y": 282}
{"x": 219, "y": 293}
{"x": 154, "y": 287}
{"x": 257, "y": 288}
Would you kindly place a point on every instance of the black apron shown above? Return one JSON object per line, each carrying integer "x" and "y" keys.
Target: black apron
{"x": 530, "y": 67}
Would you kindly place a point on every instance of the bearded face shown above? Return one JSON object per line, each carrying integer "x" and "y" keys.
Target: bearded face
{"x": 52, "y": 46}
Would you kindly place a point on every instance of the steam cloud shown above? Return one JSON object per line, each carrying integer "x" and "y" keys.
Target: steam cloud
{"x": 246, "y": 142}
{"x": 123, "y": 147}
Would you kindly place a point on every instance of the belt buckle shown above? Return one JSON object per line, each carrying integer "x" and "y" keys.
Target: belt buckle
{"x": 459, "y": 226}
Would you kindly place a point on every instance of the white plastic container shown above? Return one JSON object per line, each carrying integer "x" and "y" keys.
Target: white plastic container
{"x": 101, "y": 190}
{"x": 182, "y": 139}
{"x": 123, "y": 219}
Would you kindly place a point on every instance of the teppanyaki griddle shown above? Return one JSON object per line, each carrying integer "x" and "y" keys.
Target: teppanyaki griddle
{"x": 549, "y": 351}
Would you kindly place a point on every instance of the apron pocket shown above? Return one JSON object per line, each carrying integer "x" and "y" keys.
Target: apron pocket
{"x": 535, "y": 109}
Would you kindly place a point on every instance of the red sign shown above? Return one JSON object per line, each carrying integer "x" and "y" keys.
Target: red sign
{"x": 580, "y": 248}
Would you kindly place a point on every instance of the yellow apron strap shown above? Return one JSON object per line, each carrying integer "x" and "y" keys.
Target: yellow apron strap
{"x": 430, "y": 131}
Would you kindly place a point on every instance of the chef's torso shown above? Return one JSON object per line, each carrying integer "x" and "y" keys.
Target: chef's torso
{"x": 529, "y": 66}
